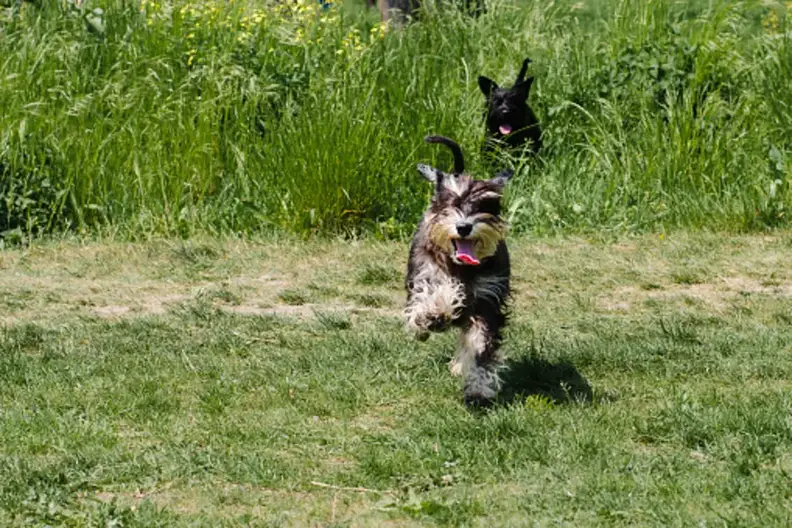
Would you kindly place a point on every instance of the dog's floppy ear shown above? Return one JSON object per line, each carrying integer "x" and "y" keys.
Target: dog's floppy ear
{"x": 486, "y": 85}
{"x": 430, "y": 173}
{"x": 503, "y": 177}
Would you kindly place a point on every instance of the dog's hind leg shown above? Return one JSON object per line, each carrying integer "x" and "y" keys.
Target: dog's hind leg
{"x": 479, "y": 360}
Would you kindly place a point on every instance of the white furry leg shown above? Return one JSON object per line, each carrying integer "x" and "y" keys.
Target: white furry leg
{"x": 456, "y": 366}
{"x": 470, "y": 340}
{"x": 478, "y": 361}
{"x": 432, "y": 305}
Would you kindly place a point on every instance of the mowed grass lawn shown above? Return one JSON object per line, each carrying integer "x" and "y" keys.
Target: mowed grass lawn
{"x": 271, "y": 383}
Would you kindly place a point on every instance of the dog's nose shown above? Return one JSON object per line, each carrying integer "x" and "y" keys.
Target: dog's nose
{"x": 464, "y": 228}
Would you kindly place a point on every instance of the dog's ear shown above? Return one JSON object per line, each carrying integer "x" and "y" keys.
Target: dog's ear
{"x": 486, "y": 85}
{"x": 524, "y": 88}
{"x": 430, "y": 173}
{"x": 503, "y": 177}
{"x": 523, "y": 71}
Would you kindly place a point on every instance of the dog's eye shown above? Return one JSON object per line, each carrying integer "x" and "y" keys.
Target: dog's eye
{"x": 490, "y": 206}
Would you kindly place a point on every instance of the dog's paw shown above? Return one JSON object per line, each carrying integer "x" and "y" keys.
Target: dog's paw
{"x": 421, "y": 335}
{"x": 456, "y": 367}
{"x": 437, "y": 323}
{"x": 422, "y": 327}
{"x": 478, "y": 401}
{"x": 481, "y": 387}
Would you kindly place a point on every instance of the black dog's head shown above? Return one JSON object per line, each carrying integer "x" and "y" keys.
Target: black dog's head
{"x": 508, "y": 115}
{"x": 463, "y": 220}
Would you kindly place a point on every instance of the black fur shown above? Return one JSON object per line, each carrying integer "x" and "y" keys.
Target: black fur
{"x": 509, "y": 107}
{"x": 459, "y": 159}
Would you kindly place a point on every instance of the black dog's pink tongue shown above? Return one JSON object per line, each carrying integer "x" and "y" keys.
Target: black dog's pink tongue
{"x": 464, "y": 253}
{"x": 505, "y": 129}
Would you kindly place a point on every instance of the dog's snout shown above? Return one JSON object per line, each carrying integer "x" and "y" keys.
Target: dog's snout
{"x": 464, "y": 228}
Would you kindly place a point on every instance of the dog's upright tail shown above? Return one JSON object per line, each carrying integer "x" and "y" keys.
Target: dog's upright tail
{"x": 523, "y": 71}
{"x": 459, "y": 160}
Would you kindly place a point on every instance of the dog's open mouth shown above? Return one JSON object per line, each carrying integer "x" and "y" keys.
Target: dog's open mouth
{"x": 464, "y": 252}
{"x": 505, "y": 129}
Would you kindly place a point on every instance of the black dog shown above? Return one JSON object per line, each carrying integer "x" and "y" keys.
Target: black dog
{"x": 510, "y": 121}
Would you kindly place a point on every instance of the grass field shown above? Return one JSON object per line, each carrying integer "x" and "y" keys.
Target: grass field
{"x": 204, "y": 208}
{"x": 227, "y": 382}
{"x": 184, "y": 117}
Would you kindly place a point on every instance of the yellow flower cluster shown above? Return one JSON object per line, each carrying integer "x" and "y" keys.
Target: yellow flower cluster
{"x": 379, "y": 30}
{"x": 353, "y": 43}
{"x": 350, "y": 43}
{"x": 209, "y": 15}
{"x": 249, "y": 24}
{"x": 306, "y": 22}
{"x": 298, "y": 7}
{"x": 292, "y": 23}
{"x": 199, "y": 17}
{"x": 253, "y": 20}
{"x": 771, "y": 22}
{"x": 150, "y": 9}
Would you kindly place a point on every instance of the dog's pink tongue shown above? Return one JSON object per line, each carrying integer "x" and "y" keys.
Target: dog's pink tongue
{"x": 464, "y": 253}
{"x": 505, "y": 129}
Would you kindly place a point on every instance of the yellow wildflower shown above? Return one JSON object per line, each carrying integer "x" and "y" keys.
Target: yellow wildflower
{"x": 378, "y": 30}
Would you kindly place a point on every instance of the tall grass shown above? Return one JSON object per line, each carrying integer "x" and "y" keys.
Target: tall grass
{"x": 182, "y": 117}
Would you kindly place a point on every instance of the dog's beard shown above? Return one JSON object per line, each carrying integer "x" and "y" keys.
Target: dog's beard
{"x": 481, "y": 244}
{"x": 487, "y": 236}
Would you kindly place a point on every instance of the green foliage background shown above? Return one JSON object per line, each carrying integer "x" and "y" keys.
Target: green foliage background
{"x": 176, "y": 118}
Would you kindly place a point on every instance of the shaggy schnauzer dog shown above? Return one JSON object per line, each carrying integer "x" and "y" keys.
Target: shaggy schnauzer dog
{"x": 510, "y": 120}
{"x": 458, "y": 272}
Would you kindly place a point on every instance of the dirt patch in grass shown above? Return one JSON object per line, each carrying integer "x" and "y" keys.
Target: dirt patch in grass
{"x": 62, "y": 281}
{"x": 717, "y": 295}
{"x": 197, "y": 499}
{"x": 224, "y": 501}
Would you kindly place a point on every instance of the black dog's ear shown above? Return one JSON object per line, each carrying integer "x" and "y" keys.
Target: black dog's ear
{"x": 486, "y": 85}
{"x": 523, "y": 71}
{"x": 523, "y": 88}
{"x": 503, "y": 177}
{"x": 430, "y": 173}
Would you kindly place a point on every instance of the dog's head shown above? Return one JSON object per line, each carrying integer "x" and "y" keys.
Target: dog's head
{"x": 507, "y": 109}
{"x": 464, "y": 219}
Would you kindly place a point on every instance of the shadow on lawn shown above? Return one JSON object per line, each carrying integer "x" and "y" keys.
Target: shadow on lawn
{"x": 559, "y": 382}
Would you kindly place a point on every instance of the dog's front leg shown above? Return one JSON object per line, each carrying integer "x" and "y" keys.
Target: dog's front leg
{"x": 479, "y": 360}
{"x": 432, "y": 305}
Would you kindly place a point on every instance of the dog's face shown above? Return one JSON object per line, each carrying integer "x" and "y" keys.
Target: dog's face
{"x": 464, "y": 219}
{"x": 507, "y": 109}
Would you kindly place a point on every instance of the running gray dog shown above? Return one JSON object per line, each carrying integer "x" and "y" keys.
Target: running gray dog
{"x": 458, "y": 272}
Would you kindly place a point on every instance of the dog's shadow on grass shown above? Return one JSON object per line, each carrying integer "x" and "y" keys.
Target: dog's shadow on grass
{"x": 529, "y": 376}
